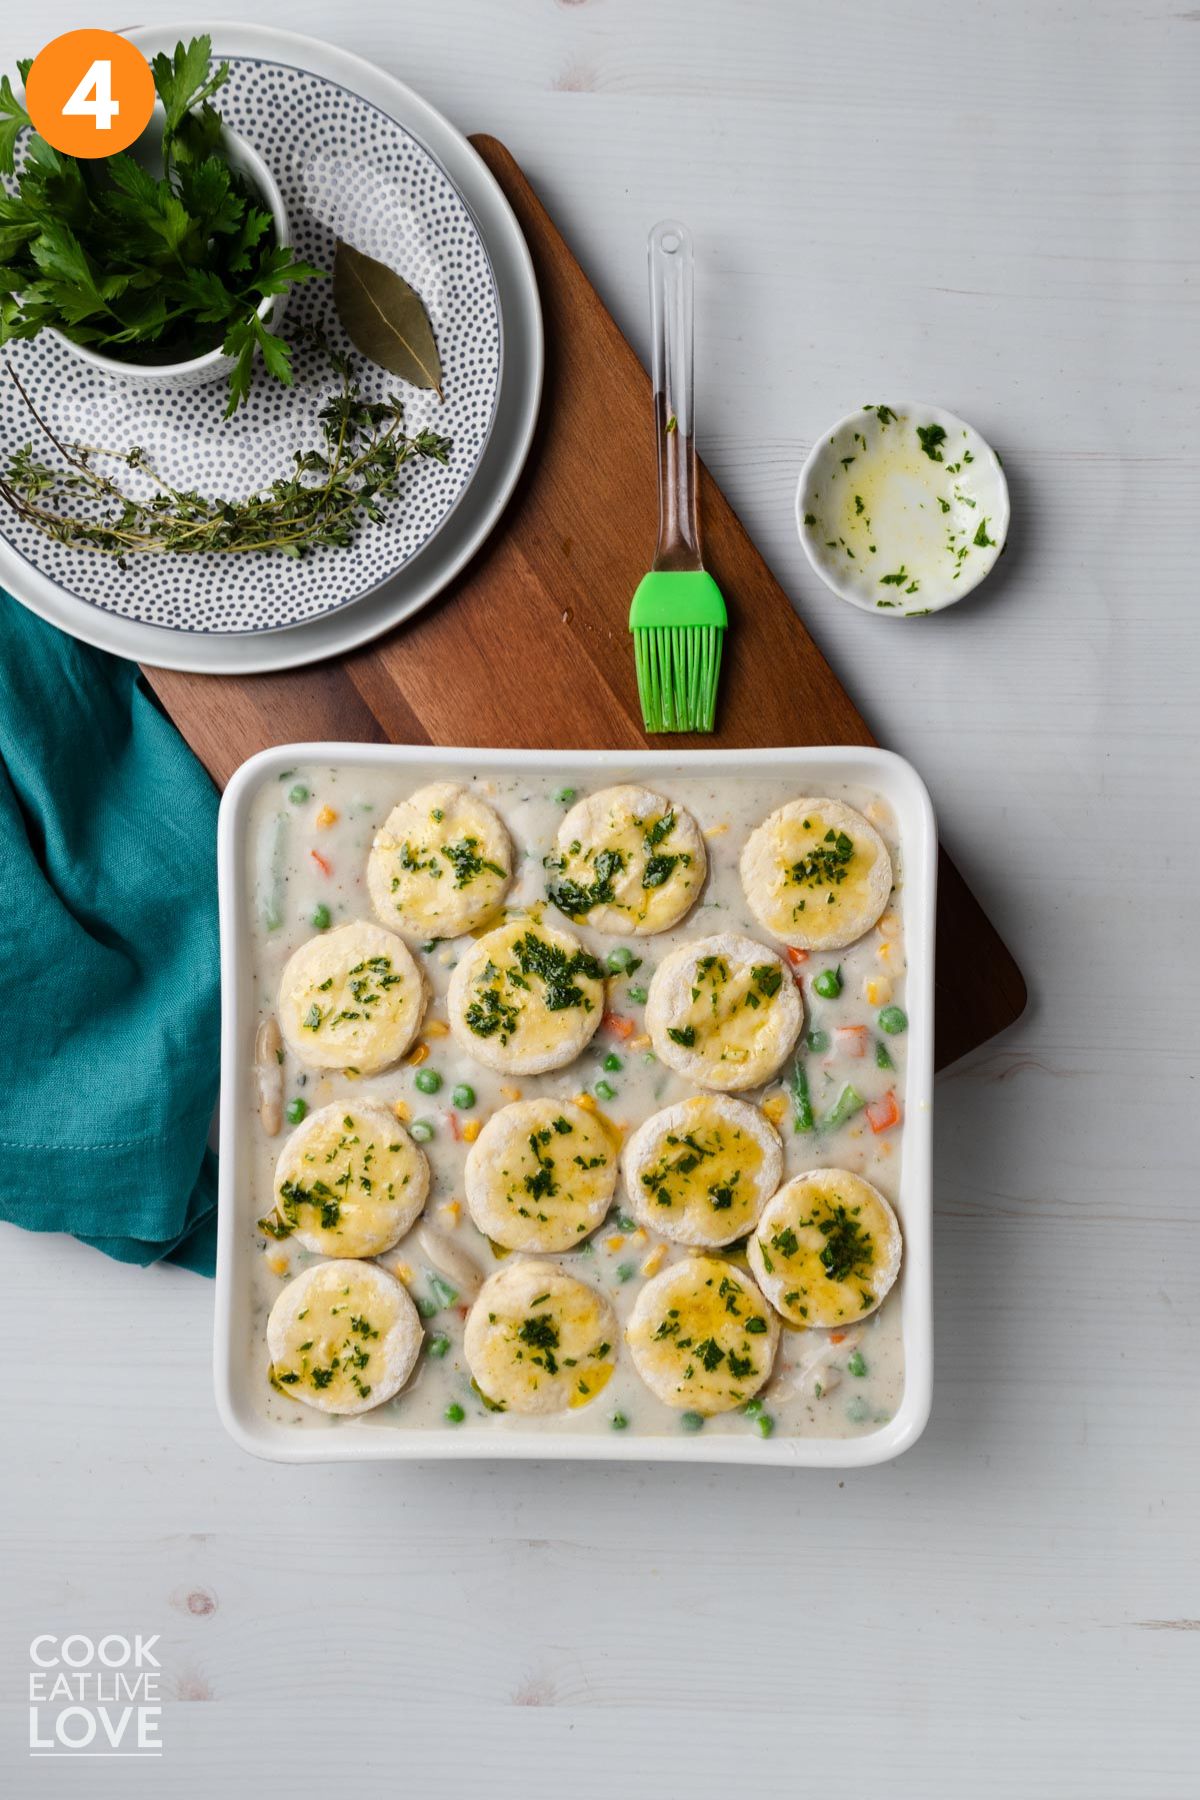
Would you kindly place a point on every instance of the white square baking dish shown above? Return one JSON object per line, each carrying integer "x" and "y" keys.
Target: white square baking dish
{"x": 239, "y": 1361}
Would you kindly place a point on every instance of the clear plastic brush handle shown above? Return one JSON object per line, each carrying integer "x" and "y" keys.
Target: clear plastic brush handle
{"x": 669, "y": 251}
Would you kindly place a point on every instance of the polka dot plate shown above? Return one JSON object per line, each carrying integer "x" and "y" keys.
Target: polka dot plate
{"x": 347, "y": 168}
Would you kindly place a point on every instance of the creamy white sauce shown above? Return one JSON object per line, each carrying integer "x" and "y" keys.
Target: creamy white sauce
{"x": 291, "y": 884}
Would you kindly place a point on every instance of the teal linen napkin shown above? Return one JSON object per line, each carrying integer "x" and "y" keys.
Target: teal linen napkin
{"x": 109, "y": 965}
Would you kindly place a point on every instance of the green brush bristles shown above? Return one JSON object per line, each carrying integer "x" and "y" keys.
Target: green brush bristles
{"x": 678, "y": 622}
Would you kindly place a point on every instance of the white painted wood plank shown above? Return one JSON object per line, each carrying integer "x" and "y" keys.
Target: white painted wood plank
{"x": 994, "y": 208}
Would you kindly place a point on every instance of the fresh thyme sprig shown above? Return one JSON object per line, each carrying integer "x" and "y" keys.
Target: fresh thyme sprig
{"x": 322, "y": 502}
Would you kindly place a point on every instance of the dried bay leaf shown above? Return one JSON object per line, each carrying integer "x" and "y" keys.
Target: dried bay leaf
{"x": 385, "y": 318}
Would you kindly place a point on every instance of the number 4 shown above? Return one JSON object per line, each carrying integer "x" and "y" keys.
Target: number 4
{"x": 101, "y": 107}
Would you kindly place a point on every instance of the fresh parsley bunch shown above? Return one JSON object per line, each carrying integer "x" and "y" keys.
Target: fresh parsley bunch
{"x": 153, "y": 270}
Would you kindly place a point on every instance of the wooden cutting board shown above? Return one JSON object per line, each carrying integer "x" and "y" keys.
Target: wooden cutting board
{"x": 529, "y": 646}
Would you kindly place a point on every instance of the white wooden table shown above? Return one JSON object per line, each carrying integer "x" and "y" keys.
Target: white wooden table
{"x": 990, "y": 207}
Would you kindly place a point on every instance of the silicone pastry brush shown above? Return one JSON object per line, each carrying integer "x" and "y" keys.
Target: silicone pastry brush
{"x": 678, "y": 616}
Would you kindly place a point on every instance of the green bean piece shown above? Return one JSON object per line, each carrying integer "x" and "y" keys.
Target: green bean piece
{"x": 856, "y": 1362}
{"x": 440, "y": 1291}
{"x": 625, "y": 1272}
{"x": 829, "y": 983}
{"x": 848, "y": 1102}
{"x": 691, "y": 1421}
{"x": 882, "y": 1058}
{"x": 802, "y": 1112}
{"x": 321, "y": 917}
{"x": 638, "y": 995}
{"x": 893, "y": 1020}
{"x": 857, "y": 1410}
{"x": 463, "y": 1096}
{"x": 625, "y": 1222}
{"x": 818, "y": 1042}
{"x": 613, "y": 1062}
{"x": 298, "y": 795}
{"x": 438, "y": 1346}
{"x": 296, "y": 1110}
{"x": 427, "y": 1081}
{"x": 605, "y": 1091}
{"x": 619, "y": 1422}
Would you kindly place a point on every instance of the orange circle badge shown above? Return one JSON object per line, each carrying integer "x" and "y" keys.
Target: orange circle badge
{"x": 90, "y": 93}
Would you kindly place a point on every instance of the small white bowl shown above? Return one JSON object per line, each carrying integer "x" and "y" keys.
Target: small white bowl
{"x": 214, "y": 365}
{"x": 902, "y": 510}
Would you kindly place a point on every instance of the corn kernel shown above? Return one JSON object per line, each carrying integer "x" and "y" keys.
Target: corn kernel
{"x": 417, "y": 1055}
{"x": 471, "y": 1129}
{"x": 451, "y": 1212}
{"x": 640, "y": 1043}
{"x": 655, "y": 1260}
{"x": 277, "y": 1262}
{"x": 614, "y": 1242}
{"x": 511, "y": 1093}
{"x": 717, "y": 830}
{"x": 436, "y": 1028}
{"x": 639, "y": 1237}
{"x": 587, "y": 1103}
{"x": 403, "y": 1273}
{"x": 445, "y": 957}
{"x": 402, "y": 1110}
{"x": 325, "y": 818}
{"x": 889, "y": 925}
{"x": 775, "y": 1106}
{"x": 884, "y": 951}
{"x": 877, "y": 989}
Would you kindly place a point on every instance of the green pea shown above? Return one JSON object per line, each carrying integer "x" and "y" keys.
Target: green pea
{"x": 296, "y": 1110}
{"x": 882, "y": 1059}
{"x": 321, "y": 917}
{"x": 625, "y": 1272}
{"x": 298, "y": 795}
{"x": 463, "y": 1096}
{"x": 637, "y": 995}
{"x": 829, "y": 983}
{"x": 619, "y": 1422}
{"x": 752, "y": 1408}
{"x": 564, "y": 796}
{"x": 765, "y": 1423}
{"x": 893, "y": 1020}
{"x": 420, "y": 1131}
{"x": 455, "y": 1413}
{"x": 605, "y": 1091}
{"x": 691, "y": 1421}
{"x": 438, "y": 1346}
{"x": 624, "y": 1222}
{"x": 427, "y": 1081}
{"x": 818, "y": 1042}
{"x": 621, "y": 960}
{"x": 857, "y": 1363}
{"x": 612, "y": 1061}
{"x": 857, "y": 1410}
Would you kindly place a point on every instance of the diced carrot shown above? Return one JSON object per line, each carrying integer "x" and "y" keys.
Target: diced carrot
{"x": 619, "y": 1026}
{"x": 796, "y": 957}
{"x": 883, "y": 1114}
{"x": 852, "y": 1039}
{"x": 325, "y": 866}
{"x": 835, "y": 1337}
{"x": 455, "y": 1127}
